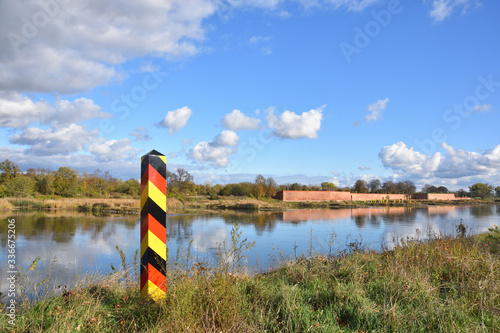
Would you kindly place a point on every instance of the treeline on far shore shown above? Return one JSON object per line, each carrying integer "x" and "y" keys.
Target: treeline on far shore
{"x": 67, "y": 182}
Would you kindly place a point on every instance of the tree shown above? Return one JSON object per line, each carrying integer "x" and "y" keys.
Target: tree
{"x": 131, "y": 187}
{"x": 45, "y": 183}
{"x": 497, "y": 191}
{"x": 374, "y": 185}
{"x": 360, "y": 187}
{"x": 462, "y": 193}
{"x": 271, "y": 187}
{"x": 9, "y": 171}
{"x": 327, "y": 186}
{"x": 389, "y": 187}
{"x": 181, "y": 181}
{"x": 433, "y": 189}
{"x": 442, "y": 189}
{"x": 238, "y": 189}
{"x": 92, "y": 185}
{"x": 407, "y": 187}
{"x": 260, "y": 187}
{"x": 481, "y": 190}
{"x": 428, "y": 188}
{"x": 65, "y": 182}
{"x": 21, "y": 186}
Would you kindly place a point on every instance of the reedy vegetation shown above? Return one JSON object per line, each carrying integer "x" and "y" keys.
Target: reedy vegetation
{"x": 442, "y": 284}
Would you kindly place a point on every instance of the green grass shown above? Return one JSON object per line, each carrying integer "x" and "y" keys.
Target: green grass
{"x": 445, "y": 284}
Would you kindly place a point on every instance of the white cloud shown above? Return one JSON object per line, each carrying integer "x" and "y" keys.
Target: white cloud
{"x": 52, "y": 70}
{"x": 375, "y": 110}
{"x": 292, "y": 126}
{"x": 237, "y": 121}
{"x": 78, "y": 43}
{"x": 441, "y": 9}
{"x": 217, "y": 151}
{"x": 141, "y": 134}
{"x": 113, "y": 150}
{"x": 20, "y": 111}
{"x": 80, "y": 109}
{"x": 63, "y": 140}
{"x": 354, "y": 5}
{"x": 82, "y": 44}
{"x": 257, "y": 39}
{"x": 226, "y": 138}
{"x": 456, "y": 164}
{"x": 81, "y": 162}
{"x": 264, "y": 4}
{"x": 175, "y": 120}
{"x": 266, "y": 50}
{"x": 461, "y": 163}
{"x": 215, "y": 155}
{"x": 149, "y": 67}
{"x": 481, "y": 109}
{"x": 399, "y": 156}
{"x": 362, "y": 168}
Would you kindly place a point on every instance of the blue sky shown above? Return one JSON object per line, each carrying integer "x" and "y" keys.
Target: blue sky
{"x": 302, "y": 91}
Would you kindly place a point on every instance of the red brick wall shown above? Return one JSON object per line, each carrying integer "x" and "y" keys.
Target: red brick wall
{"x": 347, "y": 196}
{"x": 441, "y": 196}
{"x": 376, "y": 196}
{"x": 437, "y": 196}
{"x": 339, "y": 196}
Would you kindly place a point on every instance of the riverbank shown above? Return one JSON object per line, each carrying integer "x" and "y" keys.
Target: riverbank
{"x": 447, "y": 284}
{"x": 205, "y": 204}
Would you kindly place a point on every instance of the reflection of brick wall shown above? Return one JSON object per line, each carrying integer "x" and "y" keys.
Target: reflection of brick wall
{"x": 333, "y": 214}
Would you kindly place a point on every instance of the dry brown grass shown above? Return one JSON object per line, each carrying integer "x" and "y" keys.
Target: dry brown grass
{"x": 93, "y": 204}
{"x": 5, "y": 205}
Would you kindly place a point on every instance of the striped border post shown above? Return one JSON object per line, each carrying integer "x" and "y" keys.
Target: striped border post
{"x": 153, "y": 220}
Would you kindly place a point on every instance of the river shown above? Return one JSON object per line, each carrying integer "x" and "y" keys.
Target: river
{"x": 72, "y": 244}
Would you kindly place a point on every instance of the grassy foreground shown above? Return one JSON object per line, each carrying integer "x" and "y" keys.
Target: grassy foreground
{"x": 445, "y": 284}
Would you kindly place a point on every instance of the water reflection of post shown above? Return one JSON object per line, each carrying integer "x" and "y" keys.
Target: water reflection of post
{"x": 153, "y": 221}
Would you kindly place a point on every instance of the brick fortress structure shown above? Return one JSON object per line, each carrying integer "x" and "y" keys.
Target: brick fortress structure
{"x": 348, "y": 196}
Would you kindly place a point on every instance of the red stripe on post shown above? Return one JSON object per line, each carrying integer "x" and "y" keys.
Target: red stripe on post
{"x": 157, "y": 179}
{"x": 157, "y": 278}
{"x": 151, "y": 224}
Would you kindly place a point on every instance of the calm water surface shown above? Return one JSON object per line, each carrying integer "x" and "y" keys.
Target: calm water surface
{"x": 72, "y": 244}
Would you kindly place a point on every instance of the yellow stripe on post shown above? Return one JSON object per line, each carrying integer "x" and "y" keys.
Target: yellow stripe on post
{"x": 153, "y": 242}
{"x": 153, "y": 247}
{"x": 152, "y": 192}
